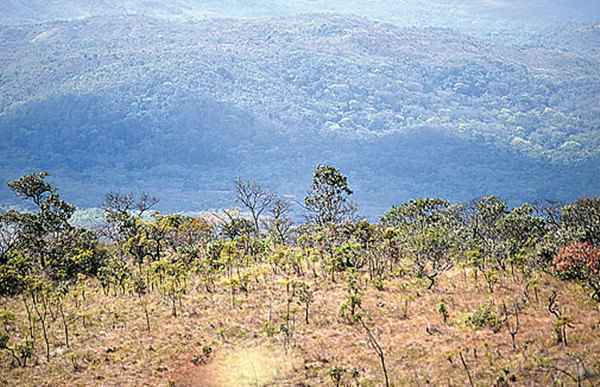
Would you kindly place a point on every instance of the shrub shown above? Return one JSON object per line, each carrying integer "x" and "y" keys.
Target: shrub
{"x": 353, "y": 300}
{"x": 580, "y": 261}
{"x": 336, "y": 374}
{"x": 442, "y": 309}
{"x": 483, "y": 317}
{"x": 21, "y": 351}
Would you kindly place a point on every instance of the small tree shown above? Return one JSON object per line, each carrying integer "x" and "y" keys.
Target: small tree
{"x": 114, "y": 274}
{"x": 336, "y": 374}
{"x": 233, "y": 226}
{"x": 328, "y": 200}
{"x": 280, "y": 224}
{"x": 191, "y": 237}
{"x": 520, "y": 230}
{"x": 482, "y": 218}
{"x": 305, "y": 297}
{"x": 353, "y": 300}
{"x": 513, "y": 328}
{"x": 171, "y": 278}
{"x": 442, "y": 309}
{"x": 561, "y": 320}
{"x": 122, "y": 210}
{"x": 288, "y": 327}
{"x": 141, "y": 289}
{"x": 425, "y": 230}
{"x": 40, "y": 290}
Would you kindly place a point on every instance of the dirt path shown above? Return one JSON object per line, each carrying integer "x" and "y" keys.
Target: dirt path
{"x": 238, "y": 367}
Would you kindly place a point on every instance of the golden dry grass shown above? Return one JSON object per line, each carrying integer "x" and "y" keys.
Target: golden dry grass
{"x": 114, "y": 349}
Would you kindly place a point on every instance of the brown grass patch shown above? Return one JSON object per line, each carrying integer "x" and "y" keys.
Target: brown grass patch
{"x": 114, "y": 348}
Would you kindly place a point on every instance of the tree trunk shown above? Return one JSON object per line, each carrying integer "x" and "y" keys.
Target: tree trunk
{"x": 64, "y": 321}
{"x": 42, "y": 317}
{"x": 29, "y": 319}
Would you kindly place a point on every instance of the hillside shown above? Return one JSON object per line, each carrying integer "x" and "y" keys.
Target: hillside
{"x": 477, "y": 16}
{"x": 180, "y": 109}
{"x": 201, "y": 347}
{"x": 434, "y": 293}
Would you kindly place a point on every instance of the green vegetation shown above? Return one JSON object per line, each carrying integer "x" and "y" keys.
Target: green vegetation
{"x": 406, "y": 111}
{"x": 261, "y": 281}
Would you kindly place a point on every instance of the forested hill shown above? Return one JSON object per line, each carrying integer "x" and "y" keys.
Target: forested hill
{"x": 181, "y": 108}
{"x": 496, "y": 17}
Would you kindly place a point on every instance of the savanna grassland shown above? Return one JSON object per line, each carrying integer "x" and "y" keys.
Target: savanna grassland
{"x": 246, "y": 348}
{"x": 434, "y": 293}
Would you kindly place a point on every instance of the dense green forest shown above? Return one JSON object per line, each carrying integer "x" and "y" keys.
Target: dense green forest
{"x": 435, "y": 291}
{"x": 183, "y": 108}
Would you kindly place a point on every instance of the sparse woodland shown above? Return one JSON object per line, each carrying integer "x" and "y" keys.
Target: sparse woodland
{"x": 434, "y": 293}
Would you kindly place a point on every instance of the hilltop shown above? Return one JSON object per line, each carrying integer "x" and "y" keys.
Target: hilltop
{"x": 477, "y": 16}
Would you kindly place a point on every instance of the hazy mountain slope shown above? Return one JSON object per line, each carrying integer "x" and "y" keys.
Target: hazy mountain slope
{"x": 180, "y": 107}
{"x": 497, "y": 17}
{"x": 325, "y": 74}
{"x": 581, "y": 38}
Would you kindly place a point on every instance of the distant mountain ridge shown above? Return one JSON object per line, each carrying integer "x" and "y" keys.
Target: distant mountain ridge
{"x": 184, "y": 107}
{"x": 468, "y": 15}
{"x": 335, "y": 75}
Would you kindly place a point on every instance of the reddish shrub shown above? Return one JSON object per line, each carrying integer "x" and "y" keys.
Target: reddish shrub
{"x": 580, "y": 261}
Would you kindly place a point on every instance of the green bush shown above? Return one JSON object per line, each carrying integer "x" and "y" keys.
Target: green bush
{"x": 484, "y": 316}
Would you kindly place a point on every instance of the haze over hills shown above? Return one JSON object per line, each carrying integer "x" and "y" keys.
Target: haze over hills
{"x": 181, "y": 107}
{"x": 483, "y": 15}
{"x": 512, "y": 21}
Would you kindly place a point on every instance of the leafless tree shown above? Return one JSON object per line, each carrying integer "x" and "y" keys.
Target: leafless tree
{"x": 513, "y": 327}
{"x": 561, "y": 322}
{"x": 253, "y": 197}
{"x": 124, "y": 203}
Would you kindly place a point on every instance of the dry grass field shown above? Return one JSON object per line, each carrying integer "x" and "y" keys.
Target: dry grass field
{"x": 216, "y": 342}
